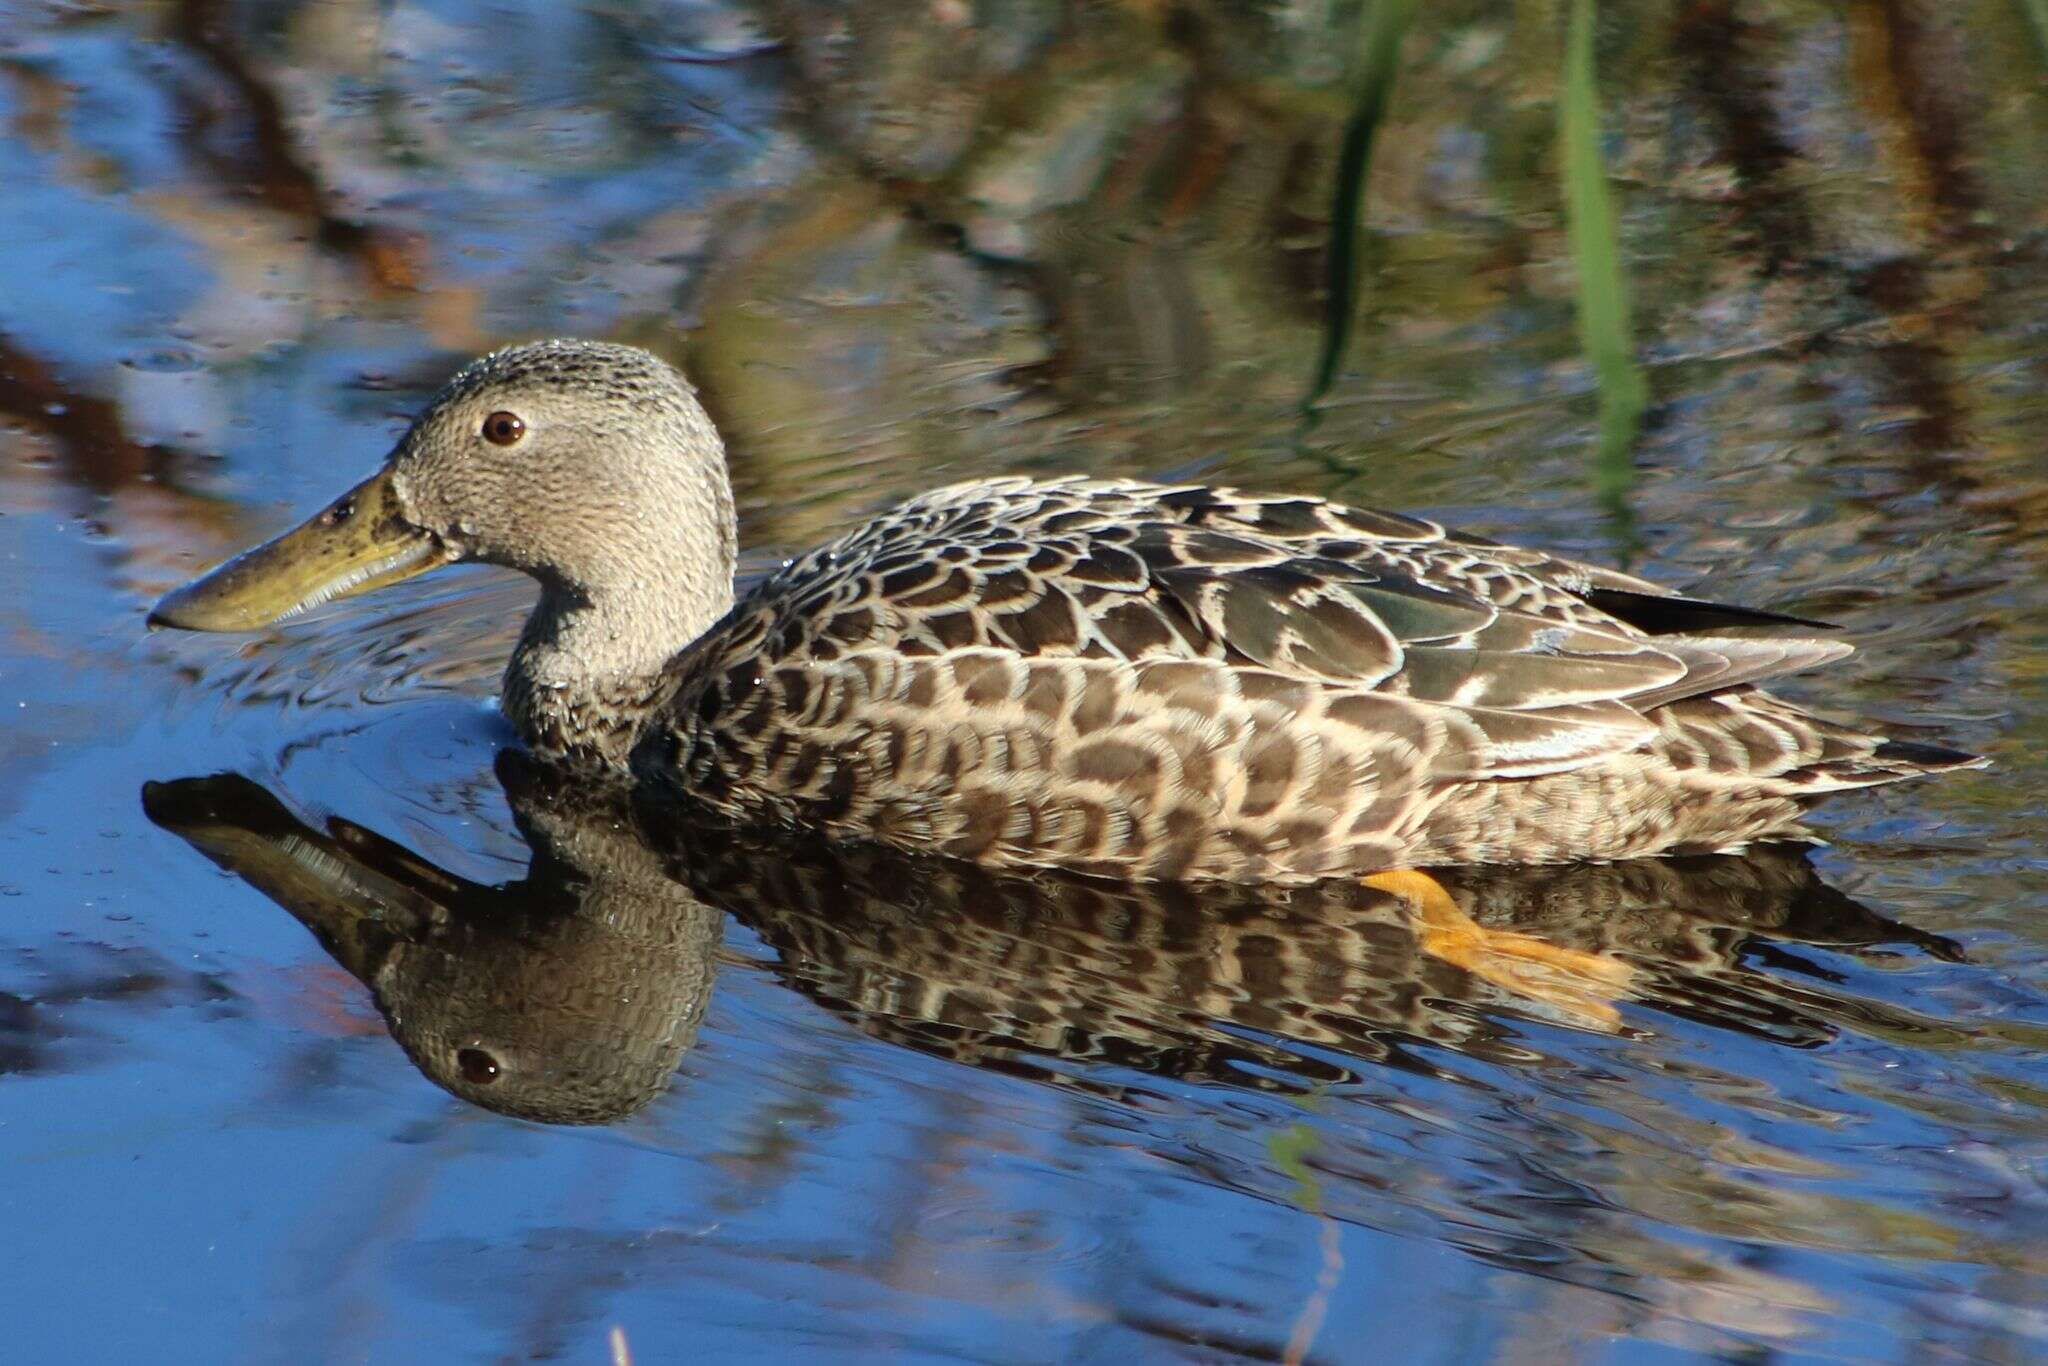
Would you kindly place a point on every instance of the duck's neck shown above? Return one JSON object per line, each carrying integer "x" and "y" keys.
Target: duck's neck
{"x": 591, "y": 664}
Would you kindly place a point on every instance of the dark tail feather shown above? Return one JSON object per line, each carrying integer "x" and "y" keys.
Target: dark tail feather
{"x": 1912, "y": 755}
{"x": 1654, "y": 614}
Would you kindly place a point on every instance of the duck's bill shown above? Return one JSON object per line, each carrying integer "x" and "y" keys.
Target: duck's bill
{"x": 356, "y": 544}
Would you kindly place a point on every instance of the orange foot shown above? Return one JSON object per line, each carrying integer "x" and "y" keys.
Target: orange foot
{"x": 1581, "y": 985}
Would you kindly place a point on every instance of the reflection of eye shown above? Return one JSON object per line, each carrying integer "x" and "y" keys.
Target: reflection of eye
{"x": 503, "y": 428}
{"x": 478, "y": 1067}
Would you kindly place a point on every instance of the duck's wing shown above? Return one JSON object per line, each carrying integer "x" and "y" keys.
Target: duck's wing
{"x": 1507, "y": 651}
{"x": 1545, "y": 631}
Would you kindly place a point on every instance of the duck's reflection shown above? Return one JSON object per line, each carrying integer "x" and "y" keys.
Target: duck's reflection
{"x": 566, "y": 997}
{"x": 571, "y": 995}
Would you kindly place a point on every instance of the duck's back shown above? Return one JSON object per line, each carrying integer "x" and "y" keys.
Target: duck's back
{"x": 1160, "y": 682}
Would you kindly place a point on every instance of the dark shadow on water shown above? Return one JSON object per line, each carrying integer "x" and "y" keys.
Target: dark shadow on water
{"x": 572, "y": 994}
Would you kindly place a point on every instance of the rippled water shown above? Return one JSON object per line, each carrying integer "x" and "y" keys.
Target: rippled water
{"x": 1782, "y": 1104}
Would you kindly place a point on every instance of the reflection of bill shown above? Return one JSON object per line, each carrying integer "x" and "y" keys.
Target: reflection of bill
{"x": 571, "y": 995}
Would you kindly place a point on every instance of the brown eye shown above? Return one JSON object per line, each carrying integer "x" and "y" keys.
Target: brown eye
{"x": 502, "y": 428}
{"x": 478, "y": 1067}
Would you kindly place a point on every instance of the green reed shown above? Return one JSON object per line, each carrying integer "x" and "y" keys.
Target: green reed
{"x": 1605, "y": 334}
{"x": 1604, "y": 330}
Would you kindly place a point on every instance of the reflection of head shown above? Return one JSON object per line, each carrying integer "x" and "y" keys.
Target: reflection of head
{"x": 573, "y": 998}
{"x": 568, "y": 998}
{"x": 574, "y": 1017}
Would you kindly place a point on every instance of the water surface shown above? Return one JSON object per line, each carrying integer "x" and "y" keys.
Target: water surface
{"x": 1789, "y": 1104}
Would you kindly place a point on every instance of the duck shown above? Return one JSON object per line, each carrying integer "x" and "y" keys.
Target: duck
{"x": 1117, "y": 678}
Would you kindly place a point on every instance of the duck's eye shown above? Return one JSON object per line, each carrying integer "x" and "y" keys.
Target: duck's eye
{"x": 478, "y": 1067}
{"x": 503, "y": 428}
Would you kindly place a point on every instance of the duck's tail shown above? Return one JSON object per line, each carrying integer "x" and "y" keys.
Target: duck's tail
{"x": 1746, "y": 736}
{"x": 1891, "y": 761}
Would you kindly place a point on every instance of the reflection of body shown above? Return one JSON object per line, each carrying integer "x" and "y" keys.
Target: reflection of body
{"x": 570, "y": 996}
{"x": 1123, "y": 679}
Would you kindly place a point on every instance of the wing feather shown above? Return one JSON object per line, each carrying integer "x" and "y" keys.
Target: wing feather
{"x": 1717, "y": 663}
{"x": 1528, "y": 744}
{"x": 1516, "y": 681}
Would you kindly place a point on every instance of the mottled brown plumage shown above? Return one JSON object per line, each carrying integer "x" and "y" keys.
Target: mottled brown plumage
{"x": 1166, "y": 682}
{"x": 1134, "y": 680}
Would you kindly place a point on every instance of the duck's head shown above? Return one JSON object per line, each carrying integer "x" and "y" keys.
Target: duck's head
{"x": 590, "y": 466}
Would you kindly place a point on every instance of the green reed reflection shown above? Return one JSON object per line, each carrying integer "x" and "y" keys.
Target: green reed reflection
{"x": 1379, "y": 49}
{"x": 2037, "y": 18}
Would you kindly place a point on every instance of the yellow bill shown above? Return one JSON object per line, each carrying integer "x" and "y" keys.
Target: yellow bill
{"x": 358, "y": 543}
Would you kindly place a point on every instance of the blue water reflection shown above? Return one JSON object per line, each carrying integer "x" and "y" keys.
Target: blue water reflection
{"x": 910, "y": 242}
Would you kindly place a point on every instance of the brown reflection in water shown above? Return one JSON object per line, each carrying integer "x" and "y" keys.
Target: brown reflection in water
{"x": 42, "y": 1033}
{"x": 238, "y": 128}
{"x": 1929, "y": 296}
{"x": 1152, "y": 182}
{"x": 117, "y": 486}
{"x": 98, "y": 452}
{"x": 1722, "y": 48}
{"x": 1117, "y": 133}
{"x": 1902, "y": 319}
{"x": 1911, "y": 71}
{"x": 571, "y": 995}
{"x": 1931, "y": 302}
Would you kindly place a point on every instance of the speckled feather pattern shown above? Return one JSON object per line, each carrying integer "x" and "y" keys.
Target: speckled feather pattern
{"x": 1160, "y": 682}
